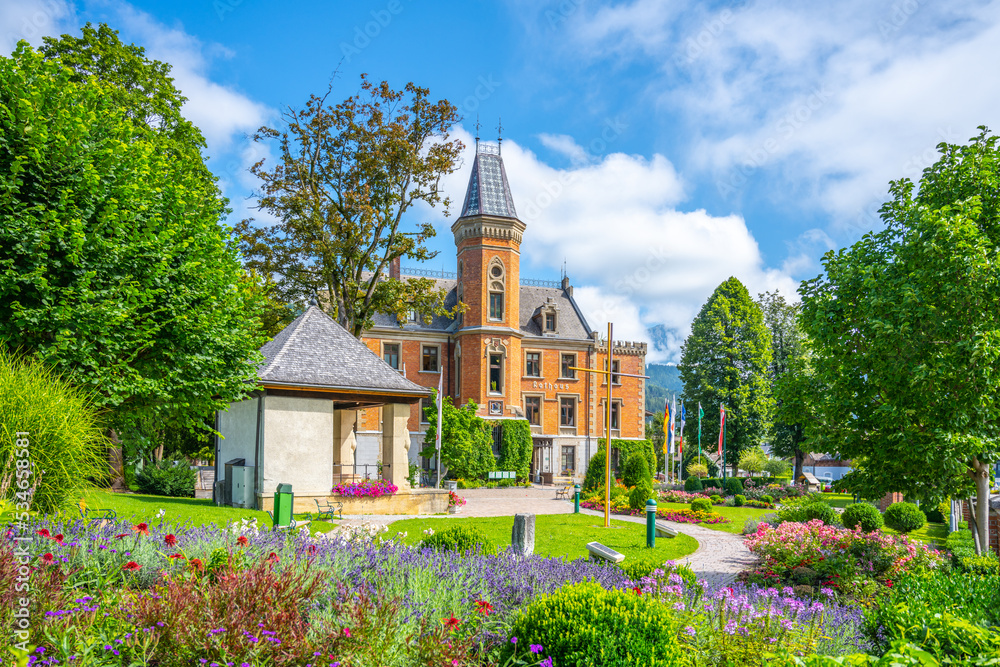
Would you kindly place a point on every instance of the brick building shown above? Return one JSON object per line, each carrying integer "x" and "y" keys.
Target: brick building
{"x": 512, "y": 350}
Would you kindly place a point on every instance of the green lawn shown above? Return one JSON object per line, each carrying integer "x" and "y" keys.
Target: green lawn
{"x": 838, "y": 499}
{"x": 737, "y": 515}
{"x": 560, "y": 535}
{"x": 932, "y": 533}
{"x": 139, "y": 508}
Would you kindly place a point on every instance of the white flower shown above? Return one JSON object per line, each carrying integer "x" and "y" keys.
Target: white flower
{"x": 159, "y": 515}
{"x": 429, "y": 531}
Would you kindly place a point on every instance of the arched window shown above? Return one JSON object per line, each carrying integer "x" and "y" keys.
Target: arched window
{"x": 497, "y": 277}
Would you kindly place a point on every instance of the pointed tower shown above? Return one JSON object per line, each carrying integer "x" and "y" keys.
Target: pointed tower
{"x": 488, "y": 237}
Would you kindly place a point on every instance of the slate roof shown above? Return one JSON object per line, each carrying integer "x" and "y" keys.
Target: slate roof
{"x": 488, "y": 192}
{"x": 315, "y": 351}
{"x": 572, "y": 324}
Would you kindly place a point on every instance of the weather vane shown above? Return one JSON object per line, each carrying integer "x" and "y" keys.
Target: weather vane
{"x": 477, "y": 133}
{"x": 499, "y": 133}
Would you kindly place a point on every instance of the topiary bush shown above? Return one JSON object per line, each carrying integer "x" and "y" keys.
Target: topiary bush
{"x": 461, "y": 539}
{"x": 717, "y": 499}
{"x": 739, "y": 500}
{"x": 585, "y": 624}
{"x": 807, "y": 511}
{"x": 638, "y": 496}
{"x": 733, "y": 487}
{"x": 637, "y": 472}
{"x": 594, "y": 478}
{"x": 904, "y": 517}
{"x": 163, "y": 478}
{"x": 864, "y": 515}
{"x": 692, "y": 485}
{"x": 767, "y": 499}
{"x": 701, "y": 505}
{"x": 64, "y": 445}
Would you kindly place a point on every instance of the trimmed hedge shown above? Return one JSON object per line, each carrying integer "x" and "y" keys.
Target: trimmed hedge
{"x": 692, "y": 485}
{"x": 904, "y": 517}
{"x": 864, "y": 515}
{"x": 461, "y": 539}
{"x": 637, "y": 471}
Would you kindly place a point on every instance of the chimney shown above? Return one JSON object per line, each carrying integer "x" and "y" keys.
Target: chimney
{"x": 566, "y": 286}
{"x": 394, "y": 268}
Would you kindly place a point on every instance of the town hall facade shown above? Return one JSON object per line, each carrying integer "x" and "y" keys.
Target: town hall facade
{"x": 514, "y": 349}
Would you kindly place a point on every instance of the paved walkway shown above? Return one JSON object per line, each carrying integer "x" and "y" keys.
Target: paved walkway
{"x": 719, "y": 558}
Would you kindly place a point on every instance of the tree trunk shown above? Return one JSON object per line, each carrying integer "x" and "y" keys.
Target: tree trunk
{"x": 116, "y": 463}
{"x": 981, "y": 473}
{"x": 800, "y": 458}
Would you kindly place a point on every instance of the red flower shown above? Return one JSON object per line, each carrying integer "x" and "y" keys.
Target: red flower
{"x": 242, "y": 540}
{"x": 44, "y": 532}
{"x": 196, "y": 564}
{"x": 638, "y": 591}
{"x": 347, "y": 633}
{"x": 122, "y": 535}
{"x": 888, "y": 582}
{"x": 175, "y": 556}
{"x": 141, "y": 528}
{"x": 58, "y": 538}
{"x": 48, "y": 559}
{"x": 132, "y": 566}
{"x": 451, "y": 623}
{"x": 484, "y": 607}
{"x": 170, "y": 540}
{"x": 272, "y": 557}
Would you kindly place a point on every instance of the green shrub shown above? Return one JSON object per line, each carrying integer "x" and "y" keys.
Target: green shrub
{"x": 864, "y": 515}
{"x": 739, "y": 500}
{"x": 585, "y": 624}
{"x": 637, "y": 470}
{"x": 767, "y": 499}
{"x": 163, "y": 478}
{"x": 717, "y": 499}
{"x": 962, "y": 545}
{"x": 460, "y": 539}
{"x": 986, "y": 565}
{"x": 701, "y": 505}
{"x": 692, "y": 485}
{"x": 733, "y": 487}
{"x": 595, "y": 471}
{"x": 807, "y": 511}
{"x": 638, "y": 496}
{"x": 904, "y": 517}
{"x": 515, "y": 447}
{"x": 947, "y": 615}
{"x": 65, "y": 444}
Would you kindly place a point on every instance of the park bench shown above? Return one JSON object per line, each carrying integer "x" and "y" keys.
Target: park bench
{"x": 565, "y": 492}
{"x": 327, "y": 509}
{"x": 90, "y": 514}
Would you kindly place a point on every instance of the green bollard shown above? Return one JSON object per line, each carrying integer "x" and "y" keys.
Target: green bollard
{"x": 576, "y": 499}
{"x": 650, "y": 523}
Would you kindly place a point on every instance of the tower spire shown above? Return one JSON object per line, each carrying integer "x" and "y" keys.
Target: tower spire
{"x": 477, "y": 133}
{"x": 499, "y": 134}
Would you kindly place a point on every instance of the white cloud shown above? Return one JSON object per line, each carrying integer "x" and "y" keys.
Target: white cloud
{"x": 222, "y": 113}
{"x": 637, "y": 258}
{"x": 831, "y": 100}
{"x": 31, "y": 20}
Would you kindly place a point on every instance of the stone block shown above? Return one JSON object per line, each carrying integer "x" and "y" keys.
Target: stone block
{"x": 522, "y": 536}
{"x": 600, "y": 552}
{"x": 664, "y": 531}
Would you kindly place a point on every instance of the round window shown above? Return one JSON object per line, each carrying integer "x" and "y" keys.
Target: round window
{"x": 497, "y": 271}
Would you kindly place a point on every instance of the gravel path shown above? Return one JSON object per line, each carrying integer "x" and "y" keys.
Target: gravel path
{"x": 719, "y": 558}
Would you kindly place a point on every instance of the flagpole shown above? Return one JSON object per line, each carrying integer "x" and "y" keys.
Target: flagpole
{"x": 700, "y": 415}
{"x": 723, "y": 451}
{"x": 440, "y": 427}
{"x": 607, "y": 422}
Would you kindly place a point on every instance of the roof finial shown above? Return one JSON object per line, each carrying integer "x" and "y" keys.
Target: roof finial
{"x": 477, "y": 133}
{"x": 499, "y": 134}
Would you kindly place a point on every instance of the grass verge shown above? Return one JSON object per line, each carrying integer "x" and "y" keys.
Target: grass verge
{"x": 560, "y": 535}
{"x": 737, "y": 516}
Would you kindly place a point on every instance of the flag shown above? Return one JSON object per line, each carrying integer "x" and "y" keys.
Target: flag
{"x": 680, "y": 438}
{"x": 673, "y": 418}
{"x": 666, "y": 427}
{"x": 440, "y": 406}
{"x": 701, "y": 414}
{"x": 722, "y": 426}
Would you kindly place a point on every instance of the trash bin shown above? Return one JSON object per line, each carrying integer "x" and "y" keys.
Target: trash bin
{"x": 284, "y": 499}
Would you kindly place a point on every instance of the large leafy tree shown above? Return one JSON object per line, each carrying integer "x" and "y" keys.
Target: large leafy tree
{"x": 790, "y": 377}
{"x": 114, "y": 267}
{"x": 907, "y": 336}
{"x": 725, "y": 361}
{"x": 345, "y": 177}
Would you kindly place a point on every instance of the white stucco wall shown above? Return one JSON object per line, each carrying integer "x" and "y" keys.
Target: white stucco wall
{"x": 298, "y": 444}
{"x": 369, "y": 449}
{"x": 238, "y": 427}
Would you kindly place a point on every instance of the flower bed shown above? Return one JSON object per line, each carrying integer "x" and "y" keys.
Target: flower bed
{"x": 850, "y": 561}
{"x": 679, "y": 496}
{"x": 366, "y": 488}
{"x": 680, "y": 516}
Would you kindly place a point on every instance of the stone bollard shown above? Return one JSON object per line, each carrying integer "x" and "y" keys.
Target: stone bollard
{"x": 522, "y": 537}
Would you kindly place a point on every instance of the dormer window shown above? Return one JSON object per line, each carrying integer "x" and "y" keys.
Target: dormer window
{"x": 550, "y": 322}
{"x": 548, "y": 317}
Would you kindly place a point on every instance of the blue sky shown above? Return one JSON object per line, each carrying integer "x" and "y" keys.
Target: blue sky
{"x": 655, "y": 147}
